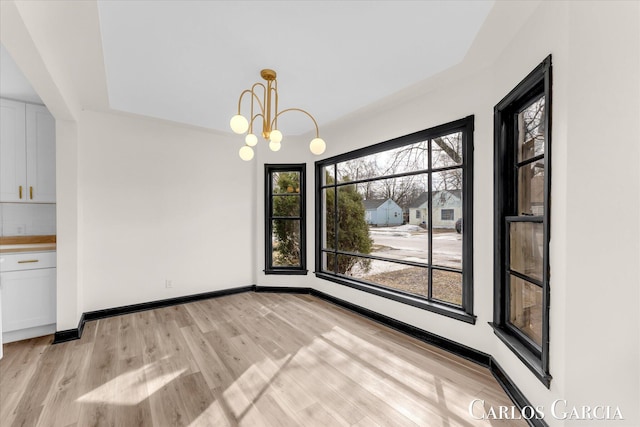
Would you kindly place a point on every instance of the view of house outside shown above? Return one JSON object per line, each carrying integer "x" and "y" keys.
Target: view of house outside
{"x": 396, "y": 191}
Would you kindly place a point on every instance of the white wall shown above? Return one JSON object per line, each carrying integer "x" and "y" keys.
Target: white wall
{"x": 601, "y": 312}
{"x": 69, "y": 249}
{"x": 595, "y": 350}
{"x": 160, "y": 202}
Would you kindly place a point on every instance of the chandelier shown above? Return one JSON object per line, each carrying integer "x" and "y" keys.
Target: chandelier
{"x": 267, "y": 109}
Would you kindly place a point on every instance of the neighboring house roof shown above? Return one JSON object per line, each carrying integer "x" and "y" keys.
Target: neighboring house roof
{"x": 373, "y": 203}
{"x": 424, "y": 197}
{"x": 421, "y": 200}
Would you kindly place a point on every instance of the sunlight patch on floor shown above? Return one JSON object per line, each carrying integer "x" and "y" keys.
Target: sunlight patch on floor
{"x": 132, "y": 387}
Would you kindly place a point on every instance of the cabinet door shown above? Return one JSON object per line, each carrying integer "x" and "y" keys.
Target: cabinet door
{"x": 13, "y": 166}
{"x": 28, "y": 298}
{"x": 41, "y": 154}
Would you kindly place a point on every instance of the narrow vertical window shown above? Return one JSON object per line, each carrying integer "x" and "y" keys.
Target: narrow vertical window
{"x": 522, "y": 186}
{"x": 285, "y": 229}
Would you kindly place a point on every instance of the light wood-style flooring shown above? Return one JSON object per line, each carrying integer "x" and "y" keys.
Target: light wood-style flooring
{"x": 251, "y": 359}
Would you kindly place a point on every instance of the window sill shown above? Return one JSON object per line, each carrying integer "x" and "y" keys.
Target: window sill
{"x": 287, "y": 272}
{"x": 527, "y": 357}
{"x": 434, "y": 307}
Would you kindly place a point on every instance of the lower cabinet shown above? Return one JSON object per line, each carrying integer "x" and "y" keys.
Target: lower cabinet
{"x": 28, "y": 295}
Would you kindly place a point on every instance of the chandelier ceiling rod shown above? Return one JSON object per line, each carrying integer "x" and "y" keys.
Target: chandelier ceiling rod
{"x": 268, "y": 110}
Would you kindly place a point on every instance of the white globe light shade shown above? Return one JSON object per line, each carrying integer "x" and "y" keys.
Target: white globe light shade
{"x": 246, "y": 153}
{"x": 275, "y": 146}
{"x": 317, "y": 146}
{"x": 239, "y": 124}
{"x": 251, "y": 140}
{"x": 275, "y": 136}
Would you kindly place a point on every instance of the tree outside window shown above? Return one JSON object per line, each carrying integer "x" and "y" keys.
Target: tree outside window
{"x": 285, "y": 251}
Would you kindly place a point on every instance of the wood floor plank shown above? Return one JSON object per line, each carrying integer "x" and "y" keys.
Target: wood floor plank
{"x": 17, "y": 368}
{"x": 19, "y": 362}
{"x": 360, "y": 391}
{"x": 213, "y": 415}
{"x": 273, "y": 413}
{"x": 99, "y": 383}
{"x": 202, "y": 316}
{"x": 61, "y": 404}
{"x": 250, "y": 359}
{"x": 197, "y": 397}
{"x": 177, "y": 313}
{"x": 174, "y": 348}
{"x": 128, "y": 340}
{"x": 133, "y": 407}
{"x": 41, "y": 382}
{"x": 215, "y": 373}
{"x": 167, "y": 406}
{"x": 413, "y": 368}
{"x": 318, "y": 414}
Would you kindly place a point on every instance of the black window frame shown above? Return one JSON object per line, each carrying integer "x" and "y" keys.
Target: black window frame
{"x": 269, "y": 170}
{"x": 537, "y": 84}
{"x": 465, "y": 311}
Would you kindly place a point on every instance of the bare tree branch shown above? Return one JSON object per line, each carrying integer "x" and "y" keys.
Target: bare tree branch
{"x": 451, "y": 152}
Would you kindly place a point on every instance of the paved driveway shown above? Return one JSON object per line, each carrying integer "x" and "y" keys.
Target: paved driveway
{"x": 412, "y": 246}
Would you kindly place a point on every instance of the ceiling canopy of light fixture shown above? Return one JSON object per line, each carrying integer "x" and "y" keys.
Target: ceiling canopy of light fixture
{"x": 266, "y": 108}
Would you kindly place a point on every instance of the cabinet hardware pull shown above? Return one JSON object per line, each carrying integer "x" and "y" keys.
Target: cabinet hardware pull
{"x": 28, "y": 260}
{"x": 31, "y": 192}
{"x": 20, "y": 191}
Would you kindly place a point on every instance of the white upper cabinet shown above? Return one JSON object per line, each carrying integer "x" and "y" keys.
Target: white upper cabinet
{"x": 41, "y": 154}
{"x": 13, "y": 151}
{"x": 27, "y": 153}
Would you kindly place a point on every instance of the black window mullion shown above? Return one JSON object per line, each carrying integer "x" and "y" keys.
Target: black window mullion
{"x": 463, "y": 308}
{"x": 393, "y": 176}
{"x": 524, "y": 218}
{"x": 336, "y": 238}
{"x": 391, "y": 260}
{"x": 467, "y": 215}
{"x": 546, "y": 290}
{"x": 524, "y": 277}
{"x": 430, "y": 223}
{"x": 530, "y": 160}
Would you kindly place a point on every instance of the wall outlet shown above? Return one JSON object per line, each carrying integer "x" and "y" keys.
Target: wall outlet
{"x": 168, "y": 283}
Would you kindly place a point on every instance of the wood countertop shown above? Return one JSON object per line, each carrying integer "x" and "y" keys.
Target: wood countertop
{"x": 16, "y": 244}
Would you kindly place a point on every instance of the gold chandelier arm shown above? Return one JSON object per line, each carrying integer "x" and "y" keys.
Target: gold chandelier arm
{"x": 253, "y": 118}
{"x": 275, "y": 114}
{"x": 302, "y": 111}
{"x": 240, "y": 99}
{"x": 253, "y": 96}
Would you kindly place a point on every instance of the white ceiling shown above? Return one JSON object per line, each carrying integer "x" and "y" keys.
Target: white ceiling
{"x": 188, "y": 61}
{"x": 13, "y": 84}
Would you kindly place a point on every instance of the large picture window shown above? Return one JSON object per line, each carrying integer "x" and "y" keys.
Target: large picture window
{"x": 522, "y": 186}
{"x": 285, "y": 230}
{"x": 386, "y": 219}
